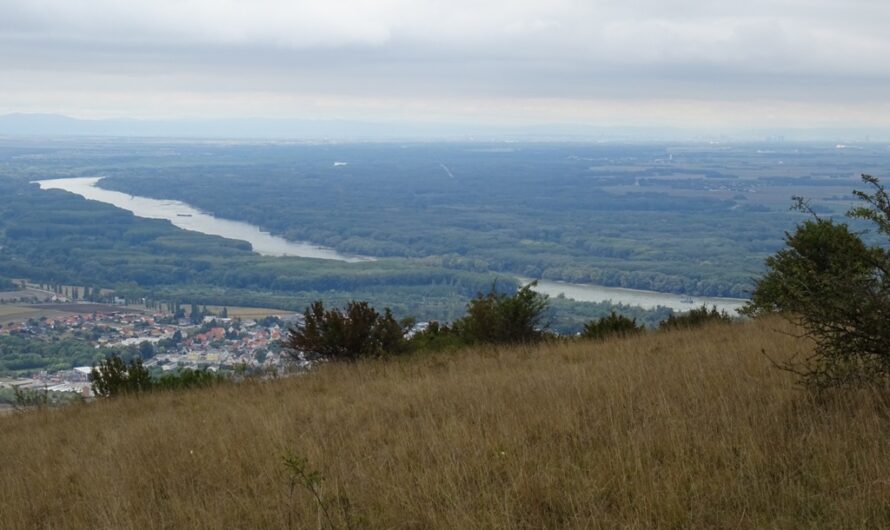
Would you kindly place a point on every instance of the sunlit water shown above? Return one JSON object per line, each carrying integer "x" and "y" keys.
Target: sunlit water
{"x": 189, "y": 218}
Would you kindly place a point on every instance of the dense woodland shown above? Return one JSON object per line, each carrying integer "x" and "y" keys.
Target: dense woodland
{"x": 24, "y": 354}
{"x": 684, "y": 220}
{"x": 57, "y": 237}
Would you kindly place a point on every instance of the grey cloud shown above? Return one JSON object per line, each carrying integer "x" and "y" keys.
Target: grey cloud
{"x": 829, "y": 51}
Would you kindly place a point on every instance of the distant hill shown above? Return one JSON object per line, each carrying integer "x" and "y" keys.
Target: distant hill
{"x": 687, "y": 429}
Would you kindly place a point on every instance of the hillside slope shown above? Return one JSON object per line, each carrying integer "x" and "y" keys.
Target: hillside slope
{"x": 681, "y": 429}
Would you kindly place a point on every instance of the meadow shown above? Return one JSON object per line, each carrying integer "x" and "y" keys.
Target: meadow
{"x": 666, "y": 430}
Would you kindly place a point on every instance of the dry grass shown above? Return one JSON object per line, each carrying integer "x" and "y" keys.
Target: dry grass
{"x": 671, "y": 430}
{"x": 20, "y": 313}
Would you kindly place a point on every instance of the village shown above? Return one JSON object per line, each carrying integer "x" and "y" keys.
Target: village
{"x": 166, "y": 341}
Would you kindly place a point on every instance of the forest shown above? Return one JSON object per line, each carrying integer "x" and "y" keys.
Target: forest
{"x": 56, "y": 237}
{"x": 685, "y": 219}
{"x": 447, "y": 220}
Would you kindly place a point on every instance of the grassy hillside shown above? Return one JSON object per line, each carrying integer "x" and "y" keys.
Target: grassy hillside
{"x": 679, "y": 429}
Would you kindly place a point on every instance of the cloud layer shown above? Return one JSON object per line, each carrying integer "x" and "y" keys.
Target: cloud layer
{"x": 430, "y": 59}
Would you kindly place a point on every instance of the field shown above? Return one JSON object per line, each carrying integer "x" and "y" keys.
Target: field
{"x": 21, "y": 313}
{"x": 688, "y": 429}
{"x": 24, "y": 293}
{"x": 248, "y": 312}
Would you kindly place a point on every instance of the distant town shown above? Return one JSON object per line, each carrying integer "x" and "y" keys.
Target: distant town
{"x": 215, "y": 339}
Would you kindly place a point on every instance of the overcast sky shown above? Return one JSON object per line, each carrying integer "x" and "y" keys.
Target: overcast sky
{"x": 698, "y": 63}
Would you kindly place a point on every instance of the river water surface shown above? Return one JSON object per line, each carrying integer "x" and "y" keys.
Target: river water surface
{"x": 187, "y": 217}
{"x": 646, "y": 299}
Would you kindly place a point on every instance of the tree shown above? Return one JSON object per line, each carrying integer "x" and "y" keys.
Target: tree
{"x": 114, "y": 377}
{"x": 836, "y": 288}
{"x": 613, "y": 325}
{"x": 499, "y": 318}
{"x": 146, "y": 350}
{"x": 357, "y": 332}
{"x": 195, "y": 314}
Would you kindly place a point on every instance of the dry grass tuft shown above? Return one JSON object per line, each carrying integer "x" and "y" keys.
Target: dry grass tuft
{"x": 680, "y": 429}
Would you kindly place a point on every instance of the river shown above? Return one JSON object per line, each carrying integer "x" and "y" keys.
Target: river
{"x": 645, "y": 299}
{"x": 187, "y": 217}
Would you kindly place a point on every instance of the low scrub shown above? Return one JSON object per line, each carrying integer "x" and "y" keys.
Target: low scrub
{"x": 613, "y": 325}
{"x": 114, "y": 377}
{"x": 694, "y": 318}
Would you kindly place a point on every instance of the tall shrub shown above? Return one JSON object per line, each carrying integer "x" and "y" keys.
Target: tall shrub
{"x": 836, "y": 288}
{"x": 356, "y": 332}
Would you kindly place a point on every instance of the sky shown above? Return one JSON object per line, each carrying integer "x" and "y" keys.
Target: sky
{"x": 636, "y": 63}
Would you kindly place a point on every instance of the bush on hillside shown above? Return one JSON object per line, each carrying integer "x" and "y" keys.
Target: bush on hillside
{"x": 500, "y": 318}
{"x": 436, "y": 337}
{"x": 836, "y": 288}
{"x": 187, "y": 378}
{"x": 694, "y": 318}
{"x": 115, "y": 377}
{"x": 356, "y": 332}
{"x": 613, "y": 325}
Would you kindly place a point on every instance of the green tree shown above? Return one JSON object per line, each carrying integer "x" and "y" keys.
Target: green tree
{"x": 146, "y": 350}
{"x": 499, "y": 318}
{"x": 356, "y": 332}
{"x": 836, "y": 288}
{"x": 195, "y": 314}
{"x": 114, "y": 377}
{"x": 613, "y": 325}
